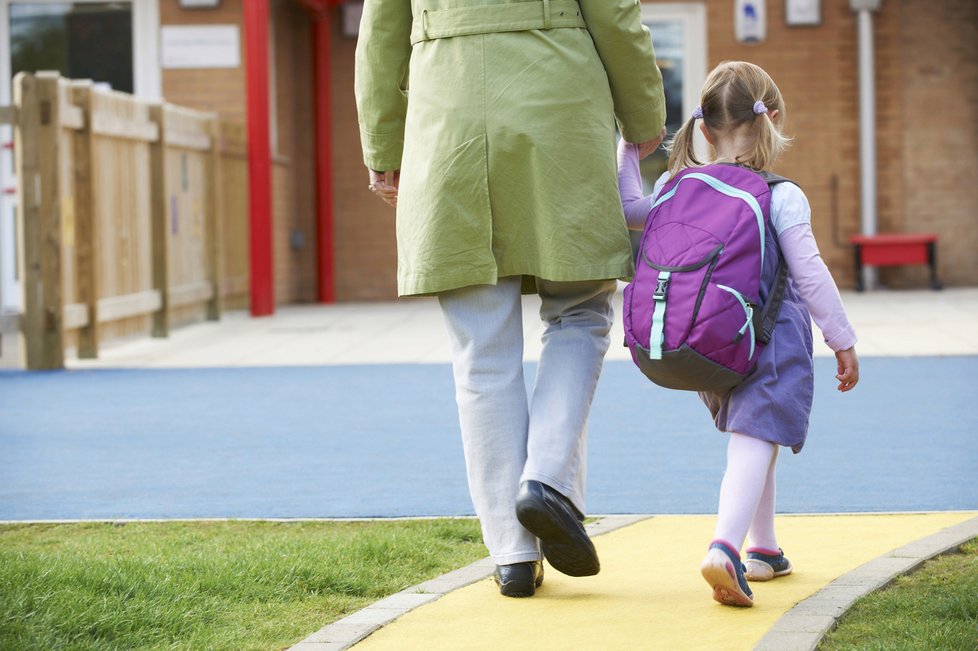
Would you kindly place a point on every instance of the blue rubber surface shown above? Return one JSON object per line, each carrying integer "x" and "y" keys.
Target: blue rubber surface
{"x": 383, "y": 441}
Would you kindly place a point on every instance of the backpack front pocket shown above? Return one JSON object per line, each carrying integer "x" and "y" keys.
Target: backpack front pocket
{"x": 724, "y": 329}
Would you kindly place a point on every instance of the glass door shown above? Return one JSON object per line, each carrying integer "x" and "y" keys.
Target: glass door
{"x": 679, "y": 37}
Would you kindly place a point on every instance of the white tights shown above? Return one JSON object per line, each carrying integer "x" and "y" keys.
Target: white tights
{"x": 747, "y": 494}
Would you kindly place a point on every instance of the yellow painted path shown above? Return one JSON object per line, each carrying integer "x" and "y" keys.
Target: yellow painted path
{"x": 649, "y": 594}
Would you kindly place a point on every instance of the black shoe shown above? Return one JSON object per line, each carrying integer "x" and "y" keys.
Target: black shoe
{"x": 552, "y": 518}
{"x": 519, "y": 579}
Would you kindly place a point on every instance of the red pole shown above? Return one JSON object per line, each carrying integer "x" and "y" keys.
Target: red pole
{"x": 259, "y": 156}
{"x": 324, "y": 152}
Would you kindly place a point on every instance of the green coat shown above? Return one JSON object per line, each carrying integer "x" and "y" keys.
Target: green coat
{"x": 506, "y": 139}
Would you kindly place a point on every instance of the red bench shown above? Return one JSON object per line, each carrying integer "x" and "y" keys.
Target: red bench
{"x": 886, "y": 250}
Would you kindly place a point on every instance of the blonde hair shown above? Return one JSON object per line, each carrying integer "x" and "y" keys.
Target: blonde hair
{"x": 727, "y": 103}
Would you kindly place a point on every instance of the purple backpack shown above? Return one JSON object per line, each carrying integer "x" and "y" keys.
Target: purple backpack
{"x": 693, "y": 315}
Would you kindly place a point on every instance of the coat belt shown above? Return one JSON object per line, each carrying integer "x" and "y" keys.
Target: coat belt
{"x": 488, "y": 19}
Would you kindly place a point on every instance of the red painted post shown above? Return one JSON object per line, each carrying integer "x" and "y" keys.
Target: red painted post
{"x": 321, "y": 26}
{"x": 259, "y": 157}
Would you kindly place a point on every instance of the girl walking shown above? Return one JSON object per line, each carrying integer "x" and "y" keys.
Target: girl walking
{"x": 741, "y": 115}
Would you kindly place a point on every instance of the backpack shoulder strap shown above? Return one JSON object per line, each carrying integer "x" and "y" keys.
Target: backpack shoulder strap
{"x": 767, "y": 317}
{"x": 773, "y": 179}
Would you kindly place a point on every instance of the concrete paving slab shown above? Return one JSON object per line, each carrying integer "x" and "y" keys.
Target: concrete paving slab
{"x": 901, "y": 323}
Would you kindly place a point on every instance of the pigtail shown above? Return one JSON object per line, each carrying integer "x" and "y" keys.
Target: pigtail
{"x": 769, "y": 142}
{"x": 680, "y": 147}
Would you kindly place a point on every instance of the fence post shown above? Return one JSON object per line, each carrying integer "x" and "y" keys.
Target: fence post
{"x": 37, "y": 161}
{"x": 86, "y": 223}
{"x": 160, "y": 232}
{"x": 215, "y": 226}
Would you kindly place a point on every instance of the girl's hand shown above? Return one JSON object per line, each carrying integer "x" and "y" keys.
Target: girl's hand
{"x": 848, "y": 366}
{"x": 384, "y": 185}
{"x": 649, "y": 146}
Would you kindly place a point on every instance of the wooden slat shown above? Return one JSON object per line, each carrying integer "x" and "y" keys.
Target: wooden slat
{"x": 104, "y": 125}
{"x": 8, "y": 114}
{"x": 72, "y": 117}
{"x": 75, "y": 316}
{"x": 214, "y": 224}
{"x": 9, "y": 323}
{"x": 233, "y": 151}
{"x": 37, "y": 156}
{"x": 122, "y": 307}
{"x": 235, "y": 285}
{"x": 159, "y": 225}
{"x": 87, "y": 259}
{"x": 188, "y": 140}
{"x": 191, "y": 294}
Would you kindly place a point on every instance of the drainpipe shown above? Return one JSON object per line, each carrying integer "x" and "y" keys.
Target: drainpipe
{"x": 259, "y": 157}
{"x": 320, "y": 13}
{"x": 867, "y": 123}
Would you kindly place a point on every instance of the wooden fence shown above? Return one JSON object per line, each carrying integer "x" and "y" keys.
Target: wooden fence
{"x": 133, "y": 215}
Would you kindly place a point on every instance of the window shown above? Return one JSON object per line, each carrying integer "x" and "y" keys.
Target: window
{"x": 84, "y": 40}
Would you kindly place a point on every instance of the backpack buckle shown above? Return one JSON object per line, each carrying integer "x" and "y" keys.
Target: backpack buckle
{"x": 661, "y": 287}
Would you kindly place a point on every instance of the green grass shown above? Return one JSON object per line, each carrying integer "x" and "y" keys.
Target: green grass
{"x": 266, "y": 585}
{"x": 209, "y": 585}
{"x": 935, "y": 607}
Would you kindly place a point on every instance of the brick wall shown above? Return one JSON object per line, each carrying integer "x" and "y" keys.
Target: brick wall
{"x": 927, "y": 138}
{"x": 816, "y": 69}
{"x": 365, "y": 249}
{"x": 939, "y": 66}
{"x": 294, "y": 191}
{"x": 223, "y": 91}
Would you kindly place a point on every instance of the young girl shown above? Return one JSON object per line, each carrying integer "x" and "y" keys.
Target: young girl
{"x": 741, "y": 114}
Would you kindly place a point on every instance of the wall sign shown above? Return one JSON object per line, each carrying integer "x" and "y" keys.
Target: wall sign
{"x": 200, "y": 46}
{"x": 352, "y": 12}
{"x": 750, "y": 20}
{"x": 803, "y": 12}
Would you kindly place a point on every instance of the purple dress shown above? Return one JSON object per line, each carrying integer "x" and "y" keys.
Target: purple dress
{"x": 775, "y": 401}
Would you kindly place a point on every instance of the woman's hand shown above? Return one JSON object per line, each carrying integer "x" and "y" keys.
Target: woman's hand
{"x": 848, "y": 367}
{"x": 384, "y": 185}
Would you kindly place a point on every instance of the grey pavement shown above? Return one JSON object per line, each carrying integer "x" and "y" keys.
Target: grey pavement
{"x": 407, "y": 331}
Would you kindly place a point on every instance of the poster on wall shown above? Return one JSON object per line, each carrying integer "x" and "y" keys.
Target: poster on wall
{"x": 803, "y": 12}
{"x": 200, "y": 46}
{"x": 750, "y": 20}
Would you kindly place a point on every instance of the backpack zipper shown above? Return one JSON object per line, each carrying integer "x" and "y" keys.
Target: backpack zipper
{"x": 748, "y": 312}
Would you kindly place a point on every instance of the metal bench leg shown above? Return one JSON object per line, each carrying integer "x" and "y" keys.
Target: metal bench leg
{"x": 932, "y": 263}
{"x": 859, "y": 267}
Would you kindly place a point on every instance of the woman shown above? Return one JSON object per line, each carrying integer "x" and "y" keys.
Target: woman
{"x": 491, "y": 127}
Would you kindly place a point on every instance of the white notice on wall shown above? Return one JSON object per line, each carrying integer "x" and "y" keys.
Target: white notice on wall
{"x": 200, "y": 46}
{"x": 750, "y": 20}
{"x": 803, "y": 12}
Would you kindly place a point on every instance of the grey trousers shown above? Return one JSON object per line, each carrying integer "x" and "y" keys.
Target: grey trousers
{"x": 508, "y": 438}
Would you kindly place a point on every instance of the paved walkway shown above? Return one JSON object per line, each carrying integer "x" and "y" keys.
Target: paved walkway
{"x": 410, "y": 331}
{"x": 649, "y": 594}
{"x": 311, "y": 376}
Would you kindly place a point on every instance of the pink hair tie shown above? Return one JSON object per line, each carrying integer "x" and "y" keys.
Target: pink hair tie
{"x": 697, "y": 113}
{"x": 759, "y": 107}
